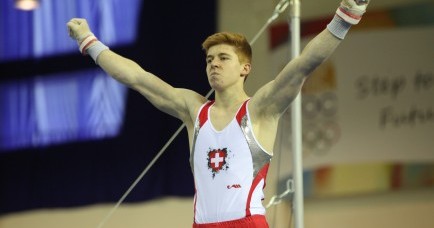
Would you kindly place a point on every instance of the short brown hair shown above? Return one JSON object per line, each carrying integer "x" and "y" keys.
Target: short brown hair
{"x": 238, "y": 41}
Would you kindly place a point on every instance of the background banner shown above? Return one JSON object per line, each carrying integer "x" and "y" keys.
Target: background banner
{"x": 372, "y": 101}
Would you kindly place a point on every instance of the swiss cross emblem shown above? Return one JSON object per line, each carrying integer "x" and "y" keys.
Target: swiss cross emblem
{"x": 217, "y": 160}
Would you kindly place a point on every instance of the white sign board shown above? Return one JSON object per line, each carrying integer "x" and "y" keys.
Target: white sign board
{"x": 372, "y": 101}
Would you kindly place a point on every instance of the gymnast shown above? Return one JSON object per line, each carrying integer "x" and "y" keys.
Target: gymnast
{"x": 231, "y": 137}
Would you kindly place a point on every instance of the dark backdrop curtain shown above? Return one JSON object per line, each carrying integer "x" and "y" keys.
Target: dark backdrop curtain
{"x": 42, "y": 168}
{"x": 64, "y": 106}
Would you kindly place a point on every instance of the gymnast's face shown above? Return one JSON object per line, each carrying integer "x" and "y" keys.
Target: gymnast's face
{"x": 223, "y": 67}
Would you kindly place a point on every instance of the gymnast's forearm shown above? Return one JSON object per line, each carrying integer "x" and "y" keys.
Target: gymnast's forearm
{"x": 120, "y": 68}
{"x": 128, "y": 72}
{"x": 349, "y": 13}
{"x": 318, "y": 50}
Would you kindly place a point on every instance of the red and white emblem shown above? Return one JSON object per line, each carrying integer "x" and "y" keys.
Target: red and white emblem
{"x": 217, "y": 160}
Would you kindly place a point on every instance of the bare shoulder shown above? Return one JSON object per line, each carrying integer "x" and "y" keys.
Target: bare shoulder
{"x": 193, "y": 102}
{"x": 262, "y": 103}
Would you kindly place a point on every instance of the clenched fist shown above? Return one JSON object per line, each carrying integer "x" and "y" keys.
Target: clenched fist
{"x": 352, "y": 10}
{"x": 78, "y": 29}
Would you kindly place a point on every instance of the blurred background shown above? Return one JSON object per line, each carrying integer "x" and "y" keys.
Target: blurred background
{"x": 72, "y": 140}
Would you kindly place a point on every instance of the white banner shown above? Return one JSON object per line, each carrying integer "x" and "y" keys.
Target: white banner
{"x": 372, "y": 101}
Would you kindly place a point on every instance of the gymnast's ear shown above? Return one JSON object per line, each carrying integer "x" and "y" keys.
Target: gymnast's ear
{"x": 245, "y": 69}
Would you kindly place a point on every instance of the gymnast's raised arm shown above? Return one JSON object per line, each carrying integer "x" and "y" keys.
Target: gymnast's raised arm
{"x": 179, "y": 103}
{"x": 273, "y": 98}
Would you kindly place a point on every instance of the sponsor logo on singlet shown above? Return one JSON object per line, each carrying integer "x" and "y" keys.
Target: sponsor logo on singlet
{"x": 234, "y": 186}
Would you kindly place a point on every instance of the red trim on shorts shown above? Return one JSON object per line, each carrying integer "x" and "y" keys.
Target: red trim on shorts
{"x": 254, "y": 221}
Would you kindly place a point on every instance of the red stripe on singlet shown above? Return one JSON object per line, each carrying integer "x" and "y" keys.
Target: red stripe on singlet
{"x": 203, "y": 115}
{"x": 262, "y": 174}
{"x": 242, "y": 112}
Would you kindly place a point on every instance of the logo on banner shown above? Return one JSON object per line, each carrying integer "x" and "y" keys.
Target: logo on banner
{"x": 217, "y": 160}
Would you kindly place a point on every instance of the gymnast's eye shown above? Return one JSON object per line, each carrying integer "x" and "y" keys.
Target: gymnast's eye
{"x": 208, "y": 60}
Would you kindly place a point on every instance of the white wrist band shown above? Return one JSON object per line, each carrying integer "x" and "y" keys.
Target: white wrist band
{"x": 96, "y": 49}
{"x": 339, "y": 27}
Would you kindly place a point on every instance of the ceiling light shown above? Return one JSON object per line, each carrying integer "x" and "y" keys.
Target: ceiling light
{"x": 26, "y": 4}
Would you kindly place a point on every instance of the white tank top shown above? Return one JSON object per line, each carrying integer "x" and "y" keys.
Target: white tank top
{"x": 229, "y": 169}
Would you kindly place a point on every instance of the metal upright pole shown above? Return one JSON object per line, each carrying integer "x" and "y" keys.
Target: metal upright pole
{"x": 296, "y": 121}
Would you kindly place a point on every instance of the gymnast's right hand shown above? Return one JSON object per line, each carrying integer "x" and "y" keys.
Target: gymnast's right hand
{"x": 78, "y": 29}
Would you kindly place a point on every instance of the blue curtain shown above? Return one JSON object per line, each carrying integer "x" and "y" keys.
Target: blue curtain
{"x": 58, "y": 108}
{"x": 43, "y": 32}
{"x": 82, "y": 105}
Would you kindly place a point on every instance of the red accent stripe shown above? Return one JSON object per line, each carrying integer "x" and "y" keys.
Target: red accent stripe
{"x": 84, "y": 39}
{"x": 87, "y": 45}
{"x": 203, "y": 115}
{"x": 262, "y": 174}
{"x": 357, "y": 17}
{"x": 242, "y": 112}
